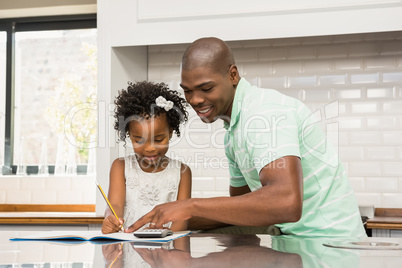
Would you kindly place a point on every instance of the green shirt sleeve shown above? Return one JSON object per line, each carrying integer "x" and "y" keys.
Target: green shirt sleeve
{"x": 236, "y": 176}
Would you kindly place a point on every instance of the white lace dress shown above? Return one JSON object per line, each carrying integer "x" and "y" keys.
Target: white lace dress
{"x": 146, "y": 190}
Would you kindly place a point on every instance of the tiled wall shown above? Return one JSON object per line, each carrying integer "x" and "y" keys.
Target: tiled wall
{"x": 47, "y": 190}
{"x": 361, "y": 74}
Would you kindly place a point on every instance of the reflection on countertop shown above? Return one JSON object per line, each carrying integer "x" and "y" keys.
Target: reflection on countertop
{"x": 203, "y": 250}
{"x": 220, "y": 250}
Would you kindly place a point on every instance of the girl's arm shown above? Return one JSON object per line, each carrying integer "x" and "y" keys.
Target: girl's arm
{"x": 183, "y": 193}
{"x": 116, "y": 196}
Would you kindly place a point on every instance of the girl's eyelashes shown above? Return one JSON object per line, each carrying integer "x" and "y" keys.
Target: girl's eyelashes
{"x": 141, "y": 141}
{"x": 138, "y": 140}
{"x": 159, "y": 138}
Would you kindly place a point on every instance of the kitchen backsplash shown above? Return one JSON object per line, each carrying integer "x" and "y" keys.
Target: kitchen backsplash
{"x": 360, "y": 75}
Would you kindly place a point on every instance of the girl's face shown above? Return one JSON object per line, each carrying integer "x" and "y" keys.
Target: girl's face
{"x": 150, "y": 139}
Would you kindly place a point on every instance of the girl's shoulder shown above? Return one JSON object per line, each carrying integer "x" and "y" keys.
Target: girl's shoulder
{"x": 174, "y": 163}
{"x": 117, "y": 168}
{"x": 177, "y": 162}
{"x": 184, "y": 168}
{"x": 118, "y": 163}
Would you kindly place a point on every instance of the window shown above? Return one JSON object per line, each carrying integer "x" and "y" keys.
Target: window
{"x": 3, "y": 38}
{"x": 51, "y": 116}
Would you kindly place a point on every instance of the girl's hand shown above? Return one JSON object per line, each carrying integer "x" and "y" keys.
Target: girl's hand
{"x": 111, "y": 253}
{"x": 165, "y": 258}
{"x": 111, "y": 225}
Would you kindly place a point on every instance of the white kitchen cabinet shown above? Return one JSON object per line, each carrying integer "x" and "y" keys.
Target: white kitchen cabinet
{"x": 147, "y": 22}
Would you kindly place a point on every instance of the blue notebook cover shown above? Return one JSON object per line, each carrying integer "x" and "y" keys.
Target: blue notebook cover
{"x": 94, "y": 237}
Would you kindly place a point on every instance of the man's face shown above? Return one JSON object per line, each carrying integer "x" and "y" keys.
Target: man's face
{"x": 210, "y": 93}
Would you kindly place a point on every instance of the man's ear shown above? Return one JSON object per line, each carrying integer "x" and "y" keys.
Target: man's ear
{"x": 234, "y": 74}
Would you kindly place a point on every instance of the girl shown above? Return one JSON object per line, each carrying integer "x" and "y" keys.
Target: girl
{"x": 147, "y": 113}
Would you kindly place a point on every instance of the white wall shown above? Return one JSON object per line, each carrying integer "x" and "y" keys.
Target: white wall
{"x": 47, "y": 190}
{"x": 362, "y": 72}
{"x": 28, "y": 8}
{"x": 23, "y": 4}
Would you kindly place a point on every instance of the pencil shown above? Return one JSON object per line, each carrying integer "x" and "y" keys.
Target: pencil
{"x": 117, "y": 255}
{"x": 108, "y": 203}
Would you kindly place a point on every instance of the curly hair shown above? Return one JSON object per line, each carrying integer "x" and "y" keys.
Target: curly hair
{"x": 139, "y": 100}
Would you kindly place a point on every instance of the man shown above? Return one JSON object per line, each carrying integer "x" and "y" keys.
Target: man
{"x": 281, "y": 171}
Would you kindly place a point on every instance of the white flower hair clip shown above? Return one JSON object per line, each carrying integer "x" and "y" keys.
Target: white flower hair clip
{"x": 163, "y": 103}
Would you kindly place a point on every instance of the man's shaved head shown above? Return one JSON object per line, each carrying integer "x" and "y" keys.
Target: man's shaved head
{"x": 208, "y": 52}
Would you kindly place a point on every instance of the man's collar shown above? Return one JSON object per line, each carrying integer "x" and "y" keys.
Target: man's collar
{"x": 237, "y": 103}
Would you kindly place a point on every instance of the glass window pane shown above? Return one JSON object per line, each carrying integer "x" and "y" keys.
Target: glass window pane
{"x": 3, "y": 43}
{"x": 55, "y": 82}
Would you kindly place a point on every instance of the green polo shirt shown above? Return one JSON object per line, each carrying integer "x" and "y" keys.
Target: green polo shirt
{"x": 266, "y": 125}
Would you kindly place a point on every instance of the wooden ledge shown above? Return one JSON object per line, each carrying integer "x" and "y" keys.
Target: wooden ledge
{"x": 388, "y": 212}
{"x": 60, "y": 214}
{"x": 50, "y": 218}
{"x": 386, "y": 218}
{"x": 47, "y": 208}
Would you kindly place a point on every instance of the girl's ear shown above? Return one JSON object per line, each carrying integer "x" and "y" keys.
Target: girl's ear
{"x": 170, "y": 133}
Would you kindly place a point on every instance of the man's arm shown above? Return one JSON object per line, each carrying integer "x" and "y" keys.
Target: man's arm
{"x": 236, "y": 191}
{"x": 197, "y": 223}
{"x": 279, "y": 200}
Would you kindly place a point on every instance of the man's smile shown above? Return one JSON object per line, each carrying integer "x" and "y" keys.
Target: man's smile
{"x": 204, "y": 110}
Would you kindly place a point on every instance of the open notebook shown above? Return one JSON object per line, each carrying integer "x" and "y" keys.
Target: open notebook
{"x": 94, "y": 236}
